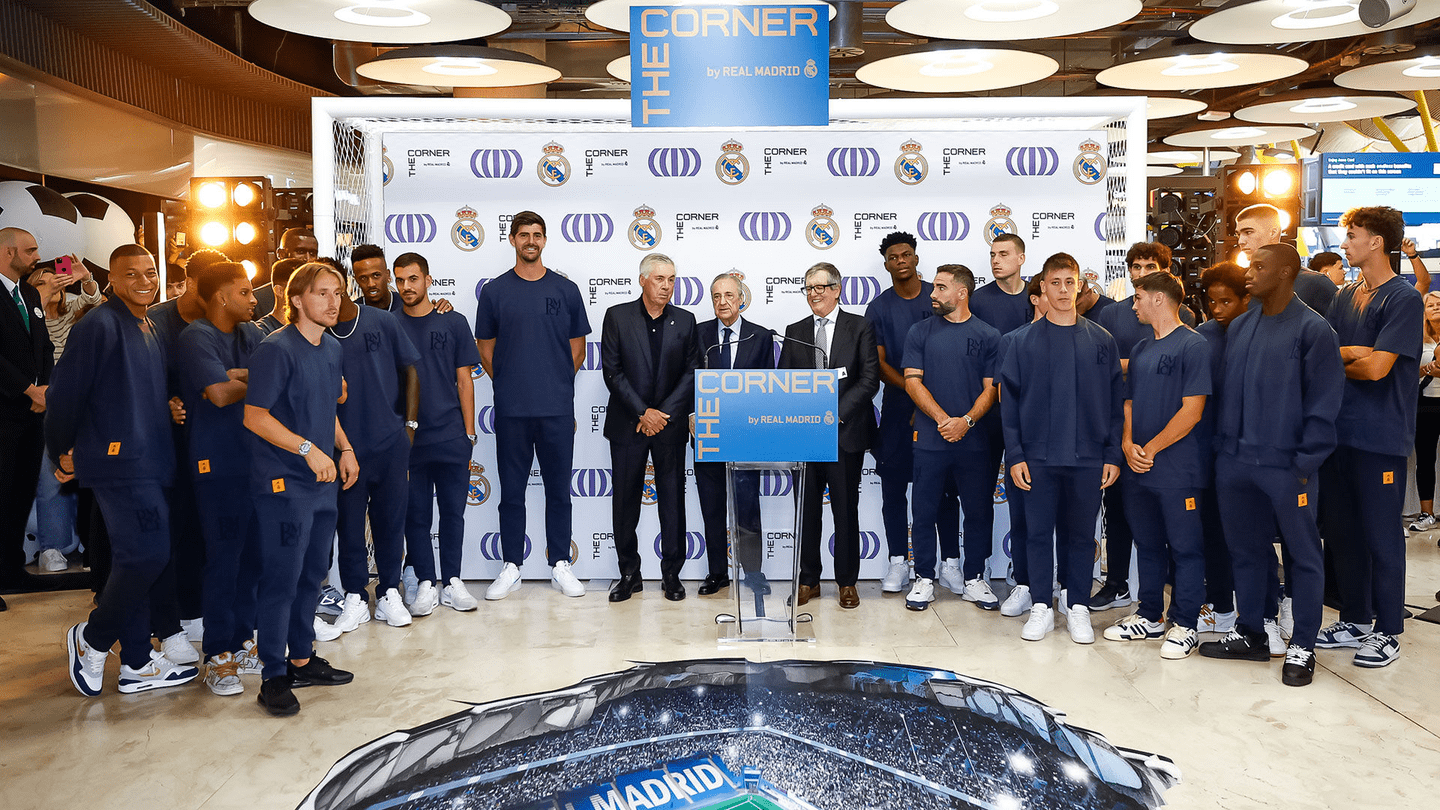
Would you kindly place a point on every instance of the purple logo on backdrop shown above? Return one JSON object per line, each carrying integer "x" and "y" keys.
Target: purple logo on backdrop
{"x": 496, "y": 164}
{"x": 1099, "y": 227}
{"x": 410, "y": 228}
{"x": 1005, "y": 544}
{"x": 492, "y": 549}
{"x": 1034, "y": 161}
{"x": 674, "y": 162}
{"x": 587, "y": 228}
{"x": 593, "y": 483}
{"x": 869, "y": 545}
{"x": 694, "y": 545}
{"x": 592, "y": 356}
{"x": 479, "y": 286}
{"x": 943, "y": 226}
{"x": 776, "y": 483}
{"x": 486, "y": 417}
{"x": 765, "y": 226}
{"x": 856, "y": 290}
{"x": 853, "y": 161}
{"x": 689, "y": 291}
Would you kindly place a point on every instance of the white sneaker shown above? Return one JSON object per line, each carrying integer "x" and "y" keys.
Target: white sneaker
{"x": 325, "y": 631}
{"x": 978, "y": 591}
{"x": 1276, "y": 639}
{"x": 353, "y": 613}
{"x": 950, "y": 576}
{"x": 922, "y": 593}
{"x": 51, "y": 559}
{"x": 1017, "y": 603}
{"x": 457, "y": 596}
{"x": 194, "y": 630}
{"x": 391, "y": 610}
{"x": 160, "y": 673}
{"x": 1424, "y": 523}
{"x": 1134, "y": 628}
{"x": 222, "y": 675}
{"x": 248, "y": 659}
{"x": 87, "y": 664}
{"x": 506, "y": 583}
{"x": 1041, "y": 621}
{"x": 425, "y": 599}
{"x": 563, "y": 580}
{"x": 179, "y": 650}
{"x": 1078, "y": 620}
{"x": 897, "y": 577}
{"x": 1179, "y": 643}
{"x": 1287, "y": 617}
{"x": 1212, "y": 622}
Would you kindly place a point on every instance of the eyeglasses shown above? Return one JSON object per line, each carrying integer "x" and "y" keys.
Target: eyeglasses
{"x": 814, "y": 288}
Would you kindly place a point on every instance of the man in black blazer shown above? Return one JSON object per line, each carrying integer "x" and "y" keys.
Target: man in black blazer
{"x": 846, "y": 342}
{"x": 648, "y": 355}
{"x": 729, "y": 341}
{"x": 26, "y": 358}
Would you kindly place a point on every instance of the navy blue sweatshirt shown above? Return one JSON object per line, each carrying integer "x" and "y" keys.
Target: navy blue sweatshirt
{"x": 108, "y": 400}
{"x": 1283, "y": 386}
{"x": 1062, "y": 396}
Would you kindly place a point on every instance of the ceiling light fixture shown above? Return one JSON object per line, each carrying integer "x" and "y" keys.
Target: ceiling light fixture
{"x": 1277, "y": 22}
{"x": 458, "y": 66}
{"x": 383, "y": 13}
{"x": 1198, "y": 66}
{"x": 1007, "y": 20}
{"x": 1406, "y": 72}
{"x": 1010, "y": 10}
{"x": 1312, "y": 14}
{"x": 953, "y": 67}
{"x": 1322, "y": 104}
{"x": 1230, "y": 135}
{"x": 389, "y": 22}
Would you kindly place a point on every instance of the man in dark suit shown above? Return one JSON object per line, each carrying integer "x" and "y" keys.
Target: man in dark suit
{"x": 729, "y": 341}
{"x": 648, "y": 355}
{"x": 846, "y": 341}
{"x": 26, "y": 358}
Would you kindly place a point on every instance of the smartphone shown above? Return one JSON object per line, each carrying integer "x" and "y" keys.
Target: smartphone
{"x": 64, "y": 266}
{"x": 180, "y": 239}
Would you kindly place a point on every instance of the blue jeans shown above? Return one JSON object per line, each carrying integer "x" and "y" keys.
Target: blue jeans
{"x": 54, "y": 511}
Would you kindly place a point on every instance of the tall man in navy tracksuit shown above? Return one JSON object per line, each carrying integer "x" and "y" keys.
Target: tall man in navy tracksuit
{"x": 950, "y": 376}
{"x": 1062, "y": 395}
{"x": 1276, "y": 423}
{"x": 290, "y": 406}
{"x": 214, "y": 376}
{"x": 108, "y": 424}
{"x": 1378, "y": 319}
{"x": 1166, "y": 465}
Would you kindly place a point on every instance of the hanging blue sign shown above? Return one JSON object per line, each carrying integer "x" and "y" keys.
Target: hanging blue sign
{"x": 724, "y": 65}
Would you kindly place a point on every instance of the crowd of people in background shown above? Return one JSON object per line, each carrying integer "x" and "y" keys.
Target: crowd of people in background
{"x": 227, "y": 442}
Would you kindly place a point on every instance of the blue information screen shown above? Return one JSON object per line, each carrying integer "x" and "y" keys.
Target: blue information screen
{"x": 767, "y": 415}
{"x": 1407, "y": 181}
{"x": 719, "y": 64}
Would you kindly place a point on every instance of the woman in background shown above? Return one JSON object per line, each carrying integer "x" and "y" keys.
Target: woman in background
{"x": 1427, "y": 418}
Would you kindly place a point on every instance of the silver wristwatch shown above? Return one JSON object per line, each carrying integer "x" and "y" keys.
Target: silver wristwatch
{"x": 305, "y": 447}
{"x": 413, "y": 425}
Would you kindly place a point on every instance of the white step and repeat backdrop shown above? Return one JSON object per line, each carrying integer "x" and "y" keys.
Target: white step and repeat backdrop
{"x": 764, "y": 206}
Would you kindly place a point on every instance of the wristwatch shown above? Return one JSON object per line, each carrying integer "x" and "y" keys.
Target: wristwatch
{"x": 968, "y": 420}
{"x": 473, "y": 438}
{"x": 413, "y": 425}
{"x": 305, "y": 447}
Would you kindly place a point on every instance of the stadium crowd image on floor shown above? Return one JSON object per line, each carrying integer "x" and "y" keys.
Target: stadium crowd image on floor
{"x": 723, "y": 734}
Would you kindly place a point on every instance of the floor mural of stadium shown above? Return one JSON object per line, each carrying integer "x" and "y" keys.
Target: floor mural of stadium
{"x": 731, "y": 734}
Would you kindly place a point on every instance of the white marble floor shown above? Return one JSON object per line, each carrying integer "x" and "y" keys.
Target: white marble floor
{"x": 1356, "y": 738}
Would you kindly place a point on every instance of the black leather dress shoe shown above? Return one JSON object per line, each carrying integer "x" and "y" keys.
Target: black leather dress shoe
{"x": 626, "y": 586}
{"x": 674, "y": 591}
{"x": 317, "y": 672}
{"x": 713, "y": 585}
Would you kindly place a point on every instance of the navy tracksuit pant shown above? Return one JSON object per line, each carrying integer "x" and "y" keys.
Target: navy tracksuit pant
{"x": 894, "y": 462}
{"x": 383, "y": 491}
{"x": 1168, "y": 528}
{"x": 444, "y": 483}
{"x": 296, "y": 528}
{"x": 1062, "y": 504}
{"x": 1370, "y": 548}
{"x": 520, "y": 441}
{"x": 232, "y": 562}
{"x": 937, "y": 474}
{"x": 137, "y": 515}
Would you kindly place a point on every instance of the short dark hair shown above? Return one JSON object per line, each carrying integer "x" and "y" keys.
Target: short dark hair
{"x": 1381, "y": 220}
{"x": 1161, "y": 282}
{"x": 1059, "y": 261}
{"x": 1036, "y": 287}
{"x": 1226, "y": 274}
{"x": 364, "y": 252}
{"x": 175, "y": 273}
{"x": 201, "y": 259}
{"x": 1286, "y": 254}
{"x": 1324, "y": 259}
{"x": 960, "y": 273}
{"x": 897, "y": 238}
{"x": 280, "y": 271}
{"x": 298, "y": 233}
{"x": 1013, "y": 238}
{"x": 524, "y": 218}
{"x": 211, "y": 278}
{"x": 301, "y": 281}
{"x": 1149, "y": 250}
{"x": 407, "y": 259}
{"x": 126, "y": 251}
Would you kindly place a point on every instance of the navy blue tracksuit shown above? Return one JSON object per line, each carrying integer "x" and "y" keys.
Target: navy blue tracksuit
{"x": 107, "y": 400}
{"x": 1275, "y": 425}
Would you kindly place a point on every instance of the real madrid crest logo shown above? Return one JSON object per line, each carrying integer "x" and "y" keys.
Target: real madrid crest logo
{"x": 648, "y": 494}
{"x": 479, "y": 491}
{"x": 744, "y": 288}
{"x": 910, "y": 167}
{"x": 1090, "y": 165}
{"x": 1000, "y": 222}
{"x": 467, "y": 233}
{"x": 732, "y": 168}
{"x": 387, "y": 169}
{"x": 811, "y": 71}
{"x": 553, "y": 169}
{"x": 829, "y": 417}
{"x": 644, "y": 231}
{"x": 822, "y": 233}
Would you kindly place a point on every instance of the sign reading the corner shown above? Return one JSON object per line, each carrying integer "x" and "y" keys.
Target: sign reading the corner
{"x": 767, "y": 415}
{"x": 718, "y": 64}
